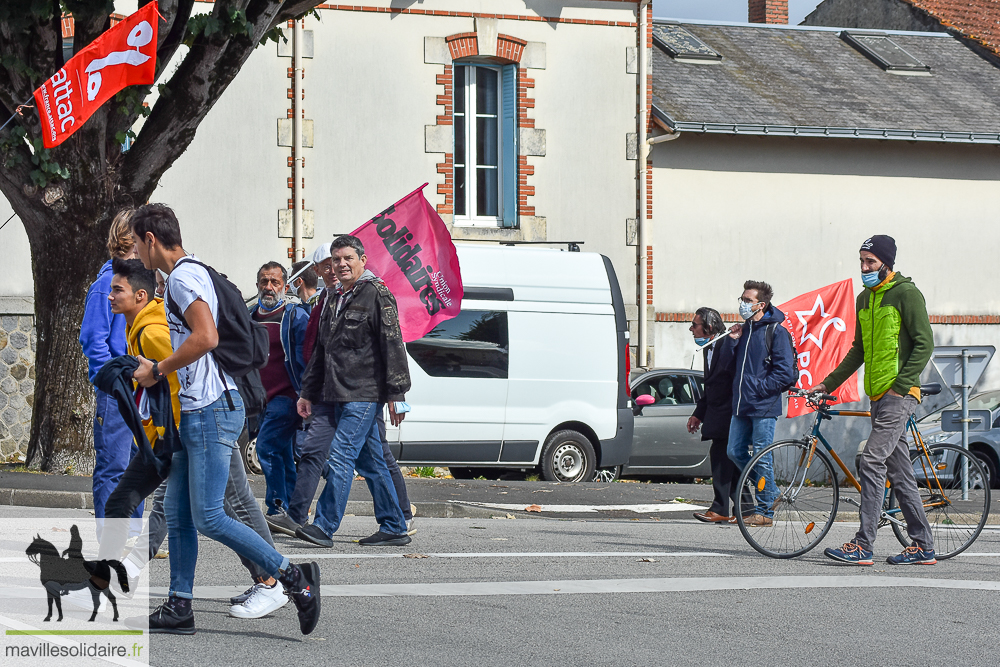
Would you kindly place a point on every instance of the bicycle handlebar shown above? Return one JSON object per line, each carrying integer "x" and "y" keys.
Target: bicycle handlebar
{"x": 813, "y": 396}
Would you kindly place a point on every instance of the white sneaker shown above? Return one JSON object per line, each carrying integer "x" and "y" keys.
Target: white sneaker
{"x": 82, "y": 599}
{"x": 262, "y": 602}
{"x": 410, "y": 530}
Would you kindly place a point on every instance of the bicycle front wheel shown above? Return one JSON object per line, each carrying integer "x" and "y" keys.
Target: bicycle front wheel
{"x": 955, "y": 518}
{"x": 790, "y": 517}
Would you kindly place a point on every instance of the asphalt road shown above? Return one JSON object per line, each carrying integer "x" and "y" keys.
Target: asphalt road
{"x": 544, "y": 590}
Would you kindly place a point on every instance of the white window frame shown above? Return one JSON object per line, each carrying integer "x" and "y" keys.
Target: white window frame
{"x": 470, "y": 219}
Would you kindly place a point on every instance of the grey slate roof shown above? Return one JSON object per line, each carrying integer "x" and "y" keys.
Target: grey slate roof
{"x": 811, "y": 82}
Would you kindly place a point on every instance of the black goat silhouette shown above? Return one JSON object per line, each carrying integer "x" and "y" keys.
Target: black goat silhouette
{"x": 70, "y": 572}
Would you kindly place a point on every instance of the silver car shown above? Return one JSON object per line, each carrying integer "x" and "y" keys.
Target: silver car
{"x": 984, "y": 444}
{"x": 661, "y": 444}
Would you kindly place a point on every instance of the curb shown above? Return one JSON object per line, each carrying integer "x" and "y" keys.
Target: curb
{"x": 85, "y": 501}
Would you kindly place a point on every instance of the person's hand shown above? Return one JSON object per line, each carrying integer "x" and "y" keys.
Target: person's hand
{"x": 893, "y": 393}
{"x": 395, "y": 418}
{"x": 819, "y": 388}
{"x": 144, "y": 373}
{"x": 736, "y": 331}
{"x": 304, "y": 408}
{"x": 693, "y": 424}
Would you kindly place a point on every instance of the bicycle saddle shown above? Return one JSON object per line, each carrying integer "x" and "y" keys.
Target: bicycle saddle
{"x": 930, "y": 389}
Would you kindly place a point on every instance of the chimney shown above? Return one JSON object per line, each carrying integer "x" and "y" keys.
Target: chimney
{"x": 768, "y": 11}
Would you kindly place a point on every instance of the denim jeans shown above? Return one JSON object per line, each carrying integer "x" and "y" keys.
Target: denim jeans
{"x": 755, "y": 433}
{"x": 312, "y": 460}
{"x": 358, "y": 446}
{"x": 276, "y": 450}
{"x": 195, "y": 495}
{"x": 114, "y": 447}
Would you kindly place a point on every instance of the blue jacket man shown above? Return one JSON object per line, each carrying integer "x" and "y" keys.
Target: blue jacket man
{"x": 761, "y": 373}
{"x": 102, "y": 337}
{"x": 282, "y": 379}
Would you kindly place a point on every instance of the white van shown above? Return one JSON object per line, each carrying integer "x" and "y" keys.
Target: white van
{"x": 531, "y": 373}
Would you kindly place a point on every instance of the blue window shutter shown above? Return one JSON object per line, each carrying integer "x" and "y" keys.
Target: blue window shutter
{"x": 508, "y": 89}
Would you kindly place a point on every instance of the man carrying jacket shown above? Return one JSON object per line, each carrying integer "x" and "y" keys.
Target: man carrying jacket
{"x": 357, "y": 366}
{"x": 282, "y": 378}
{"x": 893, "y": 339}
{"x": 147, "y": 334}
{"x": 763, "y": 366}
{"x": 714, "y": 411}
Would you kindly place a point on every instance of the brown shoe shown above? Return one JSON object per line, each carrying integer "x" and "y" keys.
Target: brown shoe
{"x": 758, "y": 520}
{"x": 710, "y": 517}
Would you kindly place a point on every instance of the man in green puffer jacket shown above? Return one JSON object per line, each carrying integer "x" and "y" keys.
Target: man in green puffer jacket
{"x": 893, "y": 339}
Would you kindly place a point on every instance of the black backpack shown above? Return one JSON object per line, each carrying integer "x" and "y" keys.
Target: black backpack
{"x": 243, "y": 344}
{"x": 769, "y": 341}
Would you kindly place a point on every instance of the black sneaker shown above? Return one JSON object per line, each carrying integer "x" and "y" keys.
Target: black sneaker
{"x": 173, "y": 617}
{"x": 381, "y": 539}
{"x": 245, "y": 595}
{"x": 312, "y": 533}
{"x": 301, "y": 583}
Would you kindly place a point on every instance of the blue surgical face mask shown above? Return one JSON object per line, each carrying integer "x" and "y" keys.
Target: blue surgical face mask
{"x": 870, "y": 279}
{"x": 746, "y": 310}
{"x": 701, "y": 341}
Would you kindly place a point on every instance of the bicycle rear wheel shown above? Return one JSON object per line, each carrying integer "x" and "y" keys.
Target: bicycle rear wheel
{"x": 955, "y": 521}
{"x": 805, "y": 505}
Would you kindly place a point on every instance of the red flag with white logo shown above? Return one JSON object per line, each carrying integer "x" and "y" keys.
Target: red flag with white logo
{"x": 822, "y": 325}
{"x": 123, "y": 56}
{"x": 409, "y": 247}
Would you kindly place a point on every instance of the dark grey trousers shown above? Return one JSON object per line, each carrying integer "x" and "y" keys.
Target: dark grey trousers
{"x": 240, "y": 504}
{"x": 887, "y": 454}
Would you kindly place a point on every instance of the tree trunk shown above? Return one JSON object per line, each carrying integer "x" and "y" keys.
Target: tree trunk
{"x": 67, "y": 251}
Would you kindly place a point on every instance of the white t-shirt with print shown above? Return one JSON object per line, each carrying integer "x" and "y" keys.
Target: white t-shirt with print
{"x": 200, "y": 381}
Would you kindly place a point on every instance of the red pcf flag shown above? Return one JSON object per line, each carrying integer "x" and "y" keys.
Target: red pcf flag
{"x": 822, "y": 326}
{"x": 123, "y": 56}
{"x": 409, "y": 247}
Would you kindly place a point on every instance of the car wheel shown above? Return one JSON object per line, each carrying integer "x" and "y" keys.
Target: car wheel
{"x": 989, "y": 466}
{"x": 607, "y": 474}
{"x": 248, "y": 452}
{"x": 568, "y": 456}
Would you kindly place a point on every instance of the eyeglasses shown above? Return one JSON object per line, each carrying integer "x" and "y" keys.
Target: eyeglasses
{"x": 743, "y": 299}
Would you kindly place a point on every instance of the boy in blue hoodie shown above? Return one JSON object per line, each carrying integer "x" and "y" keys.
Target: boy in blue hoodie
{"x": 102, "y": 336}
{"x": 760, "y": 376}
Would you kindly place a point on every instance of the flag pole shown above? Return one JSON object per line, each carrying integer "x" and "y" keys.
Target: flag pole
{"x": 17, "y": 112}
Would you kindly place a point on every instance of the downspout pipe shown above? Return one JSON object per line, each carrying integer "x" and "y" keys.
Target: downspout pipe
{"x": 298, "y": 252}
{"x": 642, "y": 224}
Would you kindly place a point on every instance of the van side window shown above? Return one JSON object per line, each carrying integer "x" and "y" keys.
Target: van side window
{"x": 473, "y": 344}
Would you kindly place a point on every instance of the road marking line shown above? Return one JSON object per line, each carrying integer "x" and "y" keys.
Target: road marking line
{"x": 521, "y": 554}
{"x": 604, "y": 586}
{"x": 585, "y": 509}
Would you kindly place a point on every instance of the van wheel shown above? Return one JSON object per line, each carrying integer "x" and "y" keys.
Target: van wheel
{"x": 568, "y": 457}
{"x": 248, "y": 452}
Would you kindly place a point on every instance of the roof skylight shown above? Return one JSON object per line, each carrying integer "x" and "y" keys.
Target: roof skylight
{"x": 684, "y": 46}
{"x": 885, "y": 53}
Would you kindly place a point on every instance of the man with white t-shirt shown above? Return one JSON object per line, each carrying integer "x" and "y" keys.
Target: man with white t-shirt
{"x": 212, "y": 418}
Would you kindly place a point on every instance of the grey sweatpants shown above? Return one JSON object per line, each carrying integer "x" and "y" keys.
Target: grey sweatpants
{"x": 240, "y": 504}
{"x": 888, "y": 454}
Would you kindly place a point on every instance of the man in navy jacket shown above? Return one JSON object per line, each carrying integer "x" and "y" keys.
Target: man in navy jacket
{"x": 760, "y": 376}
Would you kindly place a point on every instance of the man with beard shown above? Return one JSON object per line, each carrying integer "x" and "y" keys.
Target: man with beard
{"x": 286, "y": 327}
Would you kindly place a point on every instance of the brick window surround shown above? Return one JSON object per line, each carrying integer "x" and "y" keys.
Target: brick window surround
{"x": 509, "y": 50}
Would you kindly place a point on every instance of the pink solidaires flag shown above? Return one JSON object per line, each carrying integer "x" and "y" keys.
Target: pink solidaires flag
{"x": 409, "y": 247}
{"x": 822, "y": 325}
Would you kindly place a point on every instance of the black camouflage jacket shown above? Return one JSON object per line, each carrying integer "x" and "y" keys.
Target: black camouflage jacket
{"x": 359, "y": 354}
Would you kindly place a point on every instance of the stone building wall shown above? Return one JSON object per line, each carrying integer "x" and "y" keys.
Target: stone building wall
{"x": 17, "y": 375}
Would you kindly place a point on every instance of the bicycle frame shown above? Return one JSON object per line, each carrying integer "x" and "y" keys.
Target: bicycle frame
{"x": 925, "y": 461}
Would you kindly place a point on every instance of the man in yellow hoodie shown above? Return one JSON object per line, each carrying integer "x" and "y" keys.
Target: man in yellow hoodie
{"x": 133, "y": 289}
